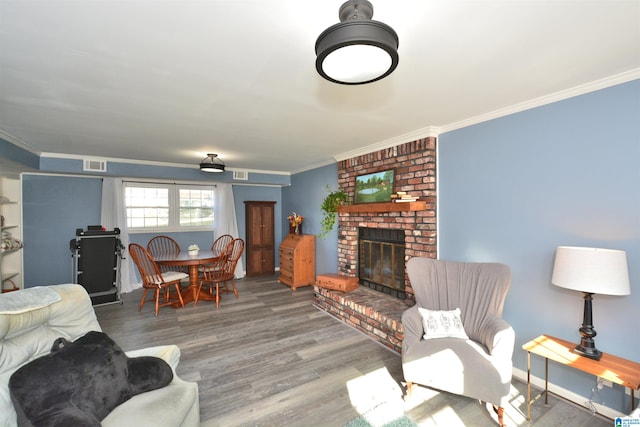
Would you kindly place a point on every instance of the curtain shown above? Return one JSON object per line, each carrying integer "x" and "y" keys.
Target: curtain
{"x": 225, "y": 218}
{"x": 112, "y": 215}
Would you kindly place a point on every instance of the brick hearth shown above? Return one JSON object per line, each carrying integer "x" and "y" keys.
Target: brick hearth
{"x": 369, "y": 311}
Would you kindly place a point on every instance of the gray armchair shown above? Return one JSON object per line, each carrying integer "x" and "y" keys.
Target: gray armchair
{"x": 479, "y": 367}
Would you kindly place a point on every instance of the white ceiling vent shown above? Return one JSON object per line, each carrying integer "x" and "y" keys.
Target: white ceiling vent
{"x": 93, "y": 165}
{"x": 241, "y": 175}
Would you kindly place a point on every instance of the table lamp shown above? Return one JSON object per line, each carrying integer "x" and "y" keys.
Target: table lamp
{"x": 591, "y": 271}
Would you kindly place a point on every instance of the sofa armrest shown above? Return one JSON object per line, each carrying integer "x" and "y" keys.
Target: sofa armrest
{"x": 176, "y": 405}
{"x": 168, "y": 353}
{"x": 498, "y": 337}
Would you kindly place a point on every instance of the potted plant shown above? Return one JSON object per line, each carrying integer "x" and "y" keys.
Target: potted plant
{"x": 295, "y": 222}
{"x": 329, "y": 208}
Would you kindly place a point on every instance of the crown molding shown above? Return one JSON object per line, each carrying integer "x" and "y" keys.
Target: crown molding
{"x": 387, "y": 143}
{"x": 19, "y": 143}
{"x": 604, "y": 83}
{"x": 269, "y": 172}
{"x": 115, "y": 160}
{"x": 614, "y": 80}
{"x": 313, "y": 166}
{"x": 150, "y": 163}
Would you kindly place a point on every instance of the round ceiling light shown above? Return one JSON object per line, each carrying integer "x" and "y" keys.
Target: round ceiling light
{"x": 357, "y": 50}
{"x": 212, "y": 163}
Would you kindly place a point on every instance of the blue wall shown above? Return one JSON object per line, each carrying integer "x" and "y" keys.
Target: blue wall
{"x": 513, "y": 189}
{"x": 52, "y": 209}
{"x": 203, "y": 239}
{"x": 307, "y": 191}
{"x": 14, "y": 154}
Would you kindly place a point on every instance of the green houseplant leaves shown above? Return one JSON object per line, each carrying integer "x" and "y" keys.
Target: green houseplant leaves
{"x": 329, "y": 208}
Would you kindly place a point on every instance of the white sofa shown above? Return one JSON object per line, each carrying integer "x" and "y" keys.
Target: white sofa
{"x": 30, "y": 321}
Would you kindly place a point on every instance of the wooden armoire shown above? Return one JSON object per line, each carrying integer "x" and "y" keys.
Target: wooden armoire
{"x": 259, "y": 245}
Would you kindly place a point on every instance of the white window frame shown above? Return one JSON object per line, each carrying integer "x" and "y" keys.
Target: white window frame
{"x": 174, "y": 207}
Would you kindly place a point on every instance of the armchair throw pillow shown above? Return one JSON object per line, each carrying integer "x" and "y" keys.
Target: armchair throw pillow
{"x": 79, "y": 383}
{"x": 442, "y": 324}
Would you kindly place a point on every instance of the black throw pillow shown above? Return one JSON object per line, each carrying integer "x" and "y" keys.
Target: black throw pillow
{"x": 79, "y": 383}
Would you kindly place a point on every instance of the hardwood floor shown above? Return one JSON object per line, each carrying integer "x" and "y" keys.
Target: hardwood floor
{"x": 270, "y": 358}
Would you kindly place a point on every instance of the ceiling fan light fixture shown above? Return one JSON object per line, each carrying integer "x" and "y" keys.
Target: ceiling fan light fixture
{"x": 212, "y": 163}
{"x": 357, "y": 50}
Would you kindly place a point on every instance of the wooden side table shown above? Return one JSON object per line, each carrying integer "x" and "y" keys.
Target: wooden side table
{"x": 611, "y": 368}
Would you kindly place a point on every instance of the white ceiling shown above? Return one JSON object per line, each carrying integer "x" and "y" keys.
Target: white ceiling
{"x": 169, "y": 81}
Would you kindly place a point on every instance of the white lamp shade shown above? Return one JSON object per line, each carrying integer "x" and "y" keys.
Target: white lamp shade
{"x": 593, "y": 270}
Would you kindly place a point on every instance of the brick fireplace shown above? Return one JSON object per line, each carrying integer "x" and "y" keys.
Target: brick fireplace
{"x": 381, "y": 260}
{"x": 372, "y": 312}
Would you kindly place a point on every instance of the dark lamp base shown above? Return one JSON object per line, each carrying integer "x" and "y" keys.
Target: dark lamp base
{"x": 587, "y": 346}
{"x": 591, "y": 353}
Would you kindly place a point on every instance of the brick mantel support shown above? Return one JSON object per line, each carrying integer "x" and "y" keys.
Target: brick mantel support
{"x": 415, "y": 172}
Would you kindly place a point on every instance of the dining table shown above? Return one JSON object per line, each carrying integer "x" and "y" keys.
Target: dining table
{"x": 193, "y": 261}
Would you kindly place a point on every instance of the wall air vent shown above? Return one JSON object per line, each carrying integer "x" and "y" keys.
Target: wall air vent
{"x": 240, "y": 175}
{"x": 93, "y": 165}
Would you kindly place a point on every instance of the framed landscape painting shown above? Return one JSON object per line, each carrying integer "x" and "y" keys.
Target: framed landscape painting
{"x": 374, "y": 187}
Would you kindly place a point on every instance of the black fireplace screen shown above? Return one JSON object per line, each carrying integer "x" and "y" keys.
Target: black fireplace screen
{"x": 381, "y": 260}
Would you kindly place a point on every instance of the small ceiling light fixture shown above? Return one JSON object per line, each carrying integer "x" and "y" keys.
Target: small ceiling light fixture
{"x": 212, "y": 163}
{"x": 357, "y": 50}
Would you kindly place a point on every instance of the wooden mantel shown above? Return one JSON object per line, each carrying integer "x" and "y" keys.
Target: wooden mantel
{"x": 384, "y": 207}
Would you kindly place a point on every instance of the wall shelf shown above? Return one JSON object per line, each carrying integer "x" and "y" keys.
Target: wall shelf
{"x": 11, "y": 271}
{"x": 7, "y": 276}
{"x": 10, "y": 251}
{"x": 384, "y": 207}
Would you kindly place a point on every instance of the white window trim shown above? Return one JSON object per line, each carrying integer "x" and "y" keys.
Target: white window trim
{"x": 174, "y": 207}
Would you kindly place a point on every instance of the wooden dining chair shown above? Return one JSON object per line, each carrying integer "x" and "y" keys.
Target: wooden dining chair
{"x": 165, "y": 247}
{"x": 221, "y": 275}
{"x": 210, "y": 277}
{"x": 154, "y": 279}
{"x": 220, "y": 243}
{"x": 217, "y": 247}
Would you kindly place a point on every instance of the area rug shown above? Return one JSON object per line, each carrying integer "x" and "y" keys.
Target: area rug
{"x": 382, "y": 415}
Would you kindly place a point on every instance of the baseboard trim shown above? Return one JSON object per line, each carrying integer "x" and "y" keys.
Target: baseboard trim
{"x": 566, "y": 394}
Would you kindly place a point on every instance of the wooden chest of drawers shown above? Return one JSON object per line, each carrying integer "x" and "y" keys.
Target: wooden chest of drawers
{"x": 298, "y": 260}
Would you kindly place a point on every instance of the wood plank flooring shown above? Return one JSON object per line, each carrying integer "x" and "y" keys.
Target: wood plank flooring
{"x": 269, "y": 358}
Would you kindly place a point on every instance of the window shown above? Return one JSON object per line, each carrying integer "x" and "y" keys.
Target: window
{"x": 147, "y": 207}
{"x": 196, "y": 207}
{"x": 168, "y": 207}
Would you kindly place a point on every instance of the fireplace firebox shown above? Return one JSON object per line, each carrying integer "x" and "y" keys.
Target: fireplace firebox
{"x": 381, "y": 262}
